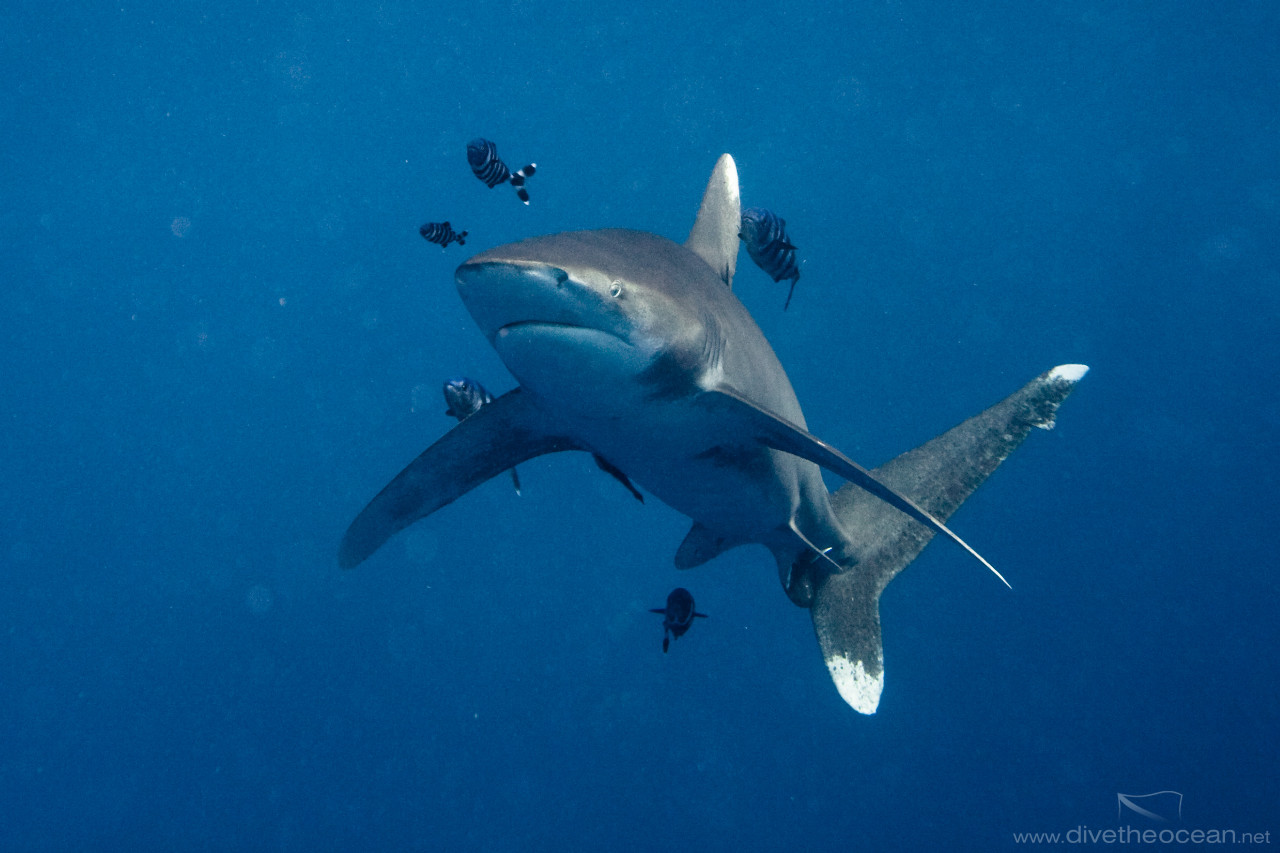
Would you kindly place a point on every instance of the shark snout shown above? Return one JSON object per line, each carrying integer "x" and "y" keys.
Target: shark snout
{"x": 501, "y": 293}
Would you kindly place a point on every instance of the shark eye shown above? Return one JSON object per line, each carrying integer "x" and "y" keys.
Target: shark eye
{"x": 615, "y": 289}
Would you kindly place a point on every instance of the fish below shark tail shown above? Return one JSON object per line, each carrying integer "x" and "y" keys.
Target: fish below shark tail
{"x": 938, "y": 475}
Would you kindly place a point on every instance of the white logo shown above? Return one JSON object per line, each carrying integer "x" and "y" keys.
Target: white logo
{"x": 1162, "y": 805}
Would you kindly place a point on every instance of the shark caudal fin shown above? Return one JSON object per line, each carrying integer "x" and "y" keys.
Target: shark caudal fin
{"x": 938, "y": 476}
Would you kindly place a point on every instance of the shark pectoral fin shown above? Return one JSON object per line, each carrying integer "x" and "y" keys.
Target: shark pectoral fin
{"x": 780, "y": 434}
{"x": 714, "y": 236}
{"x": 846, "y": 618}
{"x": 701, "y": 545}
{"x": 500, "y": 435}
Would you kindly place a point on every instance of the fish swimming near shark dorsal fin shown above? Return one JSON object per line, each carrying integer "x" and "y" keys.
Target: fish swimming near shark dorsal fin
{"x": 938, "y": 476}
{"x": 714, "y": 236}
{"x": 500, "y": 435}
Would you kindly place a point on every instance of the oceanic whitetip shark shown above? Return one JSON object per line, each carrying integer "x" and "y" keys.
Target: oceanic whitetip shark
{"x": 634, "y": 348}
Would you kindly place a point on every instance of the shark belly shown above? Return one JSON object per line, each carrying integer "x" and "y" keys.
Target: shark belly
{"x": 643, "y": 415}
{"x": 741, "y": 493}
{"x": 744, "y": 493}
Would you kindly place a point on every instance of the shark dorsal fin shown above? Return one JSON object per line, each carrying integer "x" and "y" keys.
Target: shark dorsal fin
{"x": 714, "y": 236}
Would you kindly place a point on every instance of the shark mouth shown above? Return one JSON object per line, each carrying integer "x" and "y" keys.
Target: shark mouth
{"x": 557, "y": 329}
{"x": 580, "y": 366}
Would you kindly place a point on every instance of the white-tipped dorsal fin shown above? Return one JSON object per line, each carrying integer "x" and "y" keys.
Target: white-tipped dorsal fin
{"x": 714, "y": 236}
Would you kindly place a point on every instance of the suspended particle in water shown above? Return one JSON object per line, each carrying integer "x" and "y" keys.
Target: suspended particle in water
{"x": 259, "y": 599}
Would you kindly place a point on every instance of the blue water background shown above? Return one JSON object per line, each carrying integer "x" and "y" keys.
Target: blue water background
{"x": 222, "y": 335}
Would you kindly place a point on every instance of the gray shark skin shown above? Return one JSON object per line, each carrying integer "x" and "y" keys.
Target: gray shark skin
{"x": 634, "y": 348}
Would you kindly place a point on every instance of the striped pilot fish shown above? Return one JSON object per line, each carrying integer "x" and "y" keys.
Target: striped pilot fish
{"x": 482, "y": 155}
{"x": 442, "y": 234}
{"x": 765, "y": 235}
{"x": 678, "y": 615}
{"x": 465, "y": 397}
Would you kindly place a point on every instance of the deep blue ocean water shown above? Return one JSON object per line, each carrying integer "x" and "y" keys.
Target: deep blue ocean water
{"x": 222, "y": 335}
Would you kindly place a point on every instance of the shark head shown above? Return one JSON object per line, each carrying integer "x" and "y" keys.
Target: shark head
{"x": 603, "y": 318}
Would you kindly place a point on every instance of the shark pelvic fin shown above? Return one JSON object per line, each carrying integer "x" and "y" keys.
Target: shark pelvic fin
{"x": 714, "y": 236}
{"x": 502, "y": 434}
{"x": 802, "y": 569}
{"x": 701, "y": 545}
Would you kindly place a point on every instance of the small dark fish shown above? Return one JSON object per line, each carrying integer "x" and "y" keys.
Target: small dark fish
{"x": 482, "y": 155}
{"x": 765, "y": 234}
{"x": 678, "y": 615}
{"x": 442, "y": 234}
{"x": 465, "y": 397}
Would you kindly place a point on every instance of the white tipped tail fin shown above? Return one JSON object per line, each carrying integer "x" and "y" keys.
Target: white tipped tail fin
{"x": 846, "y": 618}
{"x": 858, "y": 686}
{"x": 1068, "y": 372}
{"x": 937, "y": 477}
